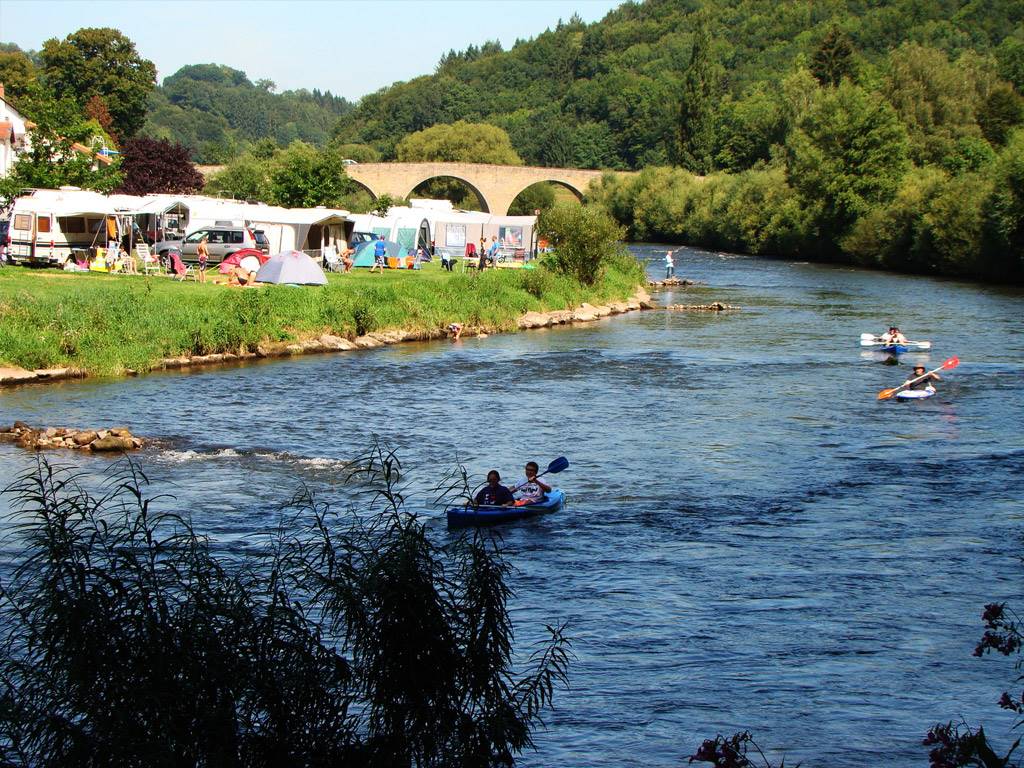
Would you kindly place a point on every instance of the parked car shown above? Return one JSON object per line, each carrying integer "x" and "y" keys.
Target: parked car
{"x": 221, "y": 242}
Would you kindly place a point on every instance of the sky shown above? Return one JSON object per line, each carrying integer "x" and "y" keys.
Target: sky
{"x": 322, "y": 44}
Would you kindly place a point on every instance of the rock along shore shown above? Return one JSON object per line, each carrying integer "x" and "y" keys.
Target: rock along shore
{"x": 585, "y": 313}
{"x": 98, "y": 440}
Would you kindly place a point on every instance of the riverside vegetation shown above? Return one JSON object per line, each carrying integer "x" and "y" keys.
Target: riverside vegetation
{"x": 128, "y": 638}
{"x": 107, "y": 324}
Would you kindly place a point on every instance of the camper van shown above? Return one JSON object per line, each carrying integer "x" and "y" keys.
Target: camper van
{"x": 47, "y": 226}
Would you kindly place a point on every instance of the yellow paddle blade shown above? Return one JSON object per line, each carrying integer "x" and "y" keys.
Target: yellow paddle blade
{"x": 885, "y": 394}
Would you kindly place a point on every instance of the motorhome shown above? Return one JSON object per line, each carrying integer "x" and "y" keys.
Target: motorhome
{"x": 49, "y": 225}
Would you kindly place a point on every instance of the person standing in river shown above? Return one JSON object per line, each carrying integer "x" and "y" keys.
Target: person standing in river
{"x": 670, "y": 266}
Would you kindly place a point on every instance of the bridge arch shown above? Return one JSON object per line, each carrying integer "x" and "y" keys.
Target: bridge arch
{"x": 365, "y": 187}
{"x": 581, "y": 196}
{"x": 460, "y": 178}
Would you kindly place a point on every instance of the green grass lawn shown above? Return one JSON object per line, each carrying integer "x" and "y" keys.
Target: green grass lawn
{"x": 106, "y": 324}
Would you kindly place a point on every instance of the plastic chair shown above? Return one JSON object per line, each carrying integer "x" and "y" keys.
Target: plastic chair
{"x": 150, "y": 262}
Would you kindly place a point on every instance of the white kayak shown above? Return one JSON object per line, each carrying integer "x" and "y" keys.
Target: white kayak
{"x": 915, "y": 394}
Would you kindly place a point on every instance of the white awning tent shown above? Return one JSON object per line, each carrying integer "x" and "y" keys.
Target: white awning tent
{"x": 286, "y": 228}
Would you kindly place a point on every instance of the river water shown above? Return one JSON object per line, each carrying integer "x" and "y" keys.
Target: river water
{"x": 752, "y": 541}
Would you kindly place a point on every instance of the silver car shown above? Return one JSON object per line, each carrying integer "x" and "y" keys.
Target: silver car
{"x": 221, "y": 242}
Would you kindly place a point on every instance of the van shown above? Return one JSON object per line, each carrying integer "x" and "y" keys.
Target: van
{"x": 45, "y": 237}
{"x": 221, "y": 242}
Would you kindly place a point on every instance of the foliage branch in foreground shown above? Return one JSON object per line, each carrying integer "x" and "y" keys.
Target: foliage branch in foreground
{"x": 130, "y": 639}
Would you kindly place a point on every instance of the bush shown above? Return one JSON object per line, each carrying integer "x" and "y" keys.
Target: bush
{"x": 128, "y": 640}
{"x": 584, "y": 239}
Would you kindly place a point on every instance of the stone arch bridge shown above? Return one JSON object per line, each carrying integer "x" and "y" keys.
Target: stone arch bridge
{"x": 496, "y": 185}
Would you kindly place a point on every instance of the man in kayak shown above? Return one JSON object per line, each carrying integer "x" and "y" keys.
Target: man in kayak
{"x": 494, "y": 494}
{"x": 924, "y": 382}
{"x": 894, "y": 336}
{"x": 530, "y": 489}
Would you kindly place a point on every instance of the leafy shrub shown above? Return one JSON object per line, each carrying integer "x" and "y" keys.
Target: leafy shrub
{"x": 583, "y": 237}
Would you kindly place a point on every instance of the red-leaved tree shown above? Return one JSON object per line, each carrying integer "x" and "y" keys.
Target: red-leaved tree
{"x": 157, "y": 165}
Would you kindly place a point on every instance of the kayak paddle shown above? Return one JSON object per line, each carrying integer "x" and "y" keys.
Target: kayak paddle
{"x": 949, "y": 364}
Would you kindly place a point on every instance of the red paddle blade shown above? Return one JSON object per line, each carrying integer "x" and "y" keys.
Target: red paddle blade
{"x": 953, "y": 362}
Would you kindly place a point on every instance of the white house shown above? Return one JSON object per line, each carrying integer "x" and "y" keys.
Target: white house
{"x": 14, "y": 136}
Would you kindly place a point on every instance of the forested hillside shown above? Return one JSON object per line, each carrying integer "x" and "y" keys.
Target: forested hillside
{"x": 608, "y": 94}
{"x": 216, "y": 112}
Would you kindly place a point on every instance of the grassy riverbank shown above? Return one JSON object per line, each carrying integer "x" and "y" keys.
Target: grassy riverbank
{"x": 106, "y": 324}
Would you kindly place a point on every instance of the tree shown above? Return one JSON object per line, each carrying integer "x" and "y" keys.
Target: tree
{"x": 458, "y": 142}
{"x": 934, "y": 98}
{"x": 848, "y": 153}
{"x": 833, "y": 58}
{"x": 52, "y": 161}
{"x": 1000, "y": 113}
{"x": 17, "y": 73}
{"x": 96, "y": 109}
{"x": 101, "y": 62}
{"x": 157, "y": 165}
{"x": 1006, "y": 210}
{"x": 304, "y": 178}
{"x": 697, "y": 108}
{"x": 245, "y": 178}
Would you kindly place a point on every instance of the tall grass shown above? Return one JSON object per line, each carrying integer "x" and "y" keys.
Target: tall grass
{"x": 106, "y": 324}
{"x": 128, "y": 639}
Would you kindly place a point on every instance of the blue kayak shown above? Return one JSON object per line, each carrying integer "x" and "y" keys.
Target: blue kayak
{"x": 465, "y": 515}
{"x": 893, "y": 349}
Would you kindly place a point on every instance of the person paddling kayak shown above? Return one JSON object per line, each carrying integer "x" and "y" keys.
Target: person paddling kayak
{"x": 924, "y": 381}
{"x": 530, "y": 489}
{"x": 893, "y": 336}
{"x": 494, "y": 494}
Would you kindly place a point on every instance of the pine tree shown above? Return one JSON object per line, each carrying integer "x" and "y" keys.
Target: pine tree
{"x": 697, "y": 107}
{"x": 834, "y": 58}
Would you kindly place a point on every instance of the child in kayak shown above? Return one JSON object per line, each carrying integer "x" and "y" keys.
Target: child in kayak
{"x": 530, "y": 489}
{"x": 925, "y": 382}
{"x": 494, "y": 494}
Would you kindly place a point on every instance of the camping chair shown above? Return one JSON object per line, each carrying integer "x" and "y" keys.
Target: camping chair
{"x": 149, "y": 260}
{"x": 332, "y": 260}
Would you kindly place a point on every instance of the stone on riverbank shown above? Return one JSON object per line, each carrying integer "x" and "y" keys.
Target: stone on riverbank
{"x": 715, "y": 306}
{"x": 674, "y": 282}
{"x": 29, "y": 438}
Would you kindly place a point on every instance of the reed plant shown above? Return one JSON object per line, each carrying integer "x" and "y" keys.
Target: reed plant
{"x": 128, "y": 638}
{"x": 107, "y": 324}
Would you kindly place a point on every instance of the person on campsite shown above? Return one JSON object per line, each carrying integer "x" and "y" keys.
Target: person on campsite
{"x": 494, "y": 494}
{"x": 446, "y": 260}
{"x": 924, "y": 381}
{"x": 203, "y": 252}
{"x": 380, "y": 250}
{"x": 128, "y": 263}
{"x": 670, "y": 266}
{"x": 492, "y": 252}
{"x": 482, "y": 252}
{"x": 346, "y": 259}
{"x": 530, "y": 489}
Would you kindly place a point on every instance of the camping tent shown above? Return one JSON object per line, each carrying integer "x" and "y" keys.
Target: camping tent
{"x": 291, "y": 267}
{"x": 363, "y": 257}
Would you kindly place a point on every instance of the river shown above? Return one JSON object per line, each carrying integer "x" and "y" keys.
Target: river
{"x": 752, "y": 541}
